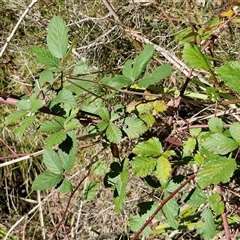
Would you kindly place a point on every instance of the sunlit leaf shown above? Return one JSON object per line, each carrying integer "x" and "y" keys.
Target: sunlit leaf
{"x": 158, "y": 74}
{"x": 151, "y": 147}
{"x": 208, "y": 230}
{"x": 55, "y": 139}
{"x": 216, "y": 170}
{"x": 171, "y": 210}
{"x": 143, "y": 166}
{"x": 230, "y": 74}
{"x": 216, "y": 125}
{"x": 195, "y": 58}
{"x": 52, "y": 161}
{"x": 135, "y": 127}
{"x": 45, "y": 57}
{"x": 219, "y": 144}
{"x": 90, "y": 191}
{"x": 46, "y": 180}
{"x": 216, "y": 203}
{"x": 57, "y": 37}
{"x": 121, "y": 188}
{"x": 235, "y": 132}
{"x": 163, "y": 169}
{"x": 66, "y": 186}
{"x": 113, "y": 133}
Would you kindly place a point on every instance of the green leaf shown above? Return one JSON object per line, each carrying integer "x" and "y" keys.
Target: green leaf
{"x": 52, "y": 161}
{"x": 72, "y": 124}
{"x": 64, "y": 97}
{"x": 73, "y": 151}
{"x": 148, "y": 119}
{"x": 90, "y": 191}
{"x": 15, "y": 117}
{"x": 142, "y": 60}
{"x": 34, "y": 103}
{"x": 99, "y": 168}
{"x": 83, "y": 67}
{"x": 208, "y": 230}
{"x": 45, "y": 57}
{"x": 158, "y": 74}
{"x": 113, "y": 133}
{"x": 216, "y": 169}
{"x": 78, "y": 86}
{"x": 189, "y": 145}
{"x": 216, "y": 125}
{"x": 127, "y": 69}
{"x": 135, "y": 127}
{"x": 163, "y": 170}
{"x": 117, "y": 82}
{"x": 57, "y": 37}
{"x": 151, "y": 147}
{"x": 102, "y": 125}
{"x": 55, "y": 139}
{"x": 46, "y": 180}
{"x": 46, "y": 76}
{"x": 230, "y": 74}
{"x": 194, "y": 132}
{"x": 171, "y": 210}
{"x": 143, "y": 166}
{"x": 26, "y": 122}
{"x": 197, "y": 197}
{"x": 64, "y": 158}
{"x": 216, "y": 203}
{"x": 104, "y": 114}
{"x": 136, "y": 222}
{"x": 66, "y": 187}
{"x": 235, "y": 132}
{"x": 219, "y": 144}
{"x": 23, "y": 104}
{"x": 50, "y": 126}
{"x": 121, "y": 188}
{"x": 194, "y": 58}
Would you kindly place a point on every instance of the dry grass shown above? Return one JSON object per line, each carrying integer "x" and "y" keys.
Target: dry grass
{"x": 105, "y": 44}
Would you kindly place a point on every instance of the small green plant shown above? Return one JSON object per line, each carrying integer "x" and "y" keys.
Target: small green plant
{"x": 59, "y": 91}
